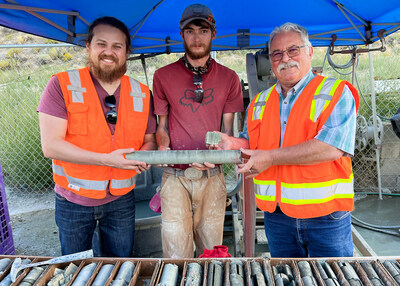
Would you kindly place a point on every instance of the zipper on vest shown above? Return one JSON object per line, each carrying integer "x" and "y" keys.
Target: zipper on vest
{"x": 278, "y": 186}
{"x": 111, "y": 169}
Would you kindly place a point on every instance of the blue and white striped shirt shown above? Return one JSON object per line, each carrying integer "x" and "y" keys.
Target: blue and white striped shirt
{"x": 338, "y": 131}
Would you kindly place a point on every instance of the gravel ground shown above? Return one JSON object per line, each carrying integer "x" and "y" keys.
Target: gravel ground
{"x": 32, "y": 221}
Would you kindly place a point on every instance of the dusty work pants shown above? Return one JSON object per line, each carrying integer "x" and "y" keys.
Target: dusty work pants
{"x": 192, "y": 210}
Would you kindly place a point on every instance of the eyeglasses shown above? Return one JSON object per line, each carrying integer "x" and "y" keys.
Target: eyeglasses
{"x": 199, "y": 92}
{"x": 291, "y": 52}
{"x": 111, "y": 115}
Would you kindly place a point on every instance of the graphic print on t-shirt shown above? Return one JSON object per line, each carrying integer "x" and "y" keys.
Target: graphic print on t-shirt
{"x": 188, "y": 99}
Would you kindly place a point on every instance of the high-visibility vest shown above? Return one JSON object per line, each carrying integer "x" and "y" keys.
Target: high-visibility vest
{"x": 301, "y": 191}
{"x": 88, "y": 129}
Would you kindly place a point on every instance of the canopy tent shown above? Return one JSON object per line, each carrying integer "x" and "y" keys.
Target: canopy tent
{"x": 154, "y": 26}
{"x": 240, "y": 24}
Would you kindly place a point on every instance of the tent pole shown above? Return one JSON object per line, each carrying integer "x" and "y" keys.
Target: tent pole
{"x": 377, "y": 142}
{"x": 355, "y": 61}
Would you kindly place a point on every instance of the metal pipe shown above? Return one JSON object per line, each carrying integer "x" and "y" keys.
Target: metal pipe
{"x": 186, "y": 157}
{"x": 376, "y": 138}
{"x": 249, "y": 216}
{"x": 29, "y": 46}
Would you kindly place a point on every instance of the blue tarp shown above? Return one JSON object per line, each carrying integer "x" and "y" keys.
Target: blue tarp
{"x": 240, "y": 24}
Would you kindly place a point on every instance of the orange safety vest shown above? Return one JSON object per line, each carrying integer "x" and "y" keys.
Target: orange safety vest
{"x": 88, "y": 129}
{"x": 302, "y": 191}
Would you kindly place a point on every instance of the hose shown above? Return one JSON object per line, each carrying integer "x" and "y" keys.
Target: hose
{"x": 335, "y": 67}
{"x": 365, "y": 101}
{"x": 376, "y": 226}
{"x": 376, "y": 229}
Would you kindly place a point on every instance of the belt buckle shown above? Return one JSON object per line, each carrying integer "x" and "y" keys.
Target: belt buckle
{"x": 193, "y": 174}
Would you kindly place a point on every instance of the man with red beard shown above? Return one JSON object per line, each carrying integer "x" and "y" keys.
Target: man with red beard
{"x": 191, "y": 97}
{"x": 89, "y": 119}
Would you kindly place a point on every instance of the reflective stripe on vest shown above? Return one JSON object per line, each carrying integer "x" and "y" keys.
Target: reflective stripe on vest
{"x": 137, "y": 95}
{"x": 265, "y": 190}
{"x": 323, "y": 96}
{"x": 76, "y": 86}
{"x": 316, "y": 193}
{"x": 76, "y": 183}
{"x": 121, "y": 184}
{"x": 260, "y": 101}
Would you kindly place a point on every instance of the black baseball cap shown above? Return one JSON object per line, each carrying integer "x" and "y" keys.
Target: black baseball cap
{"x": 197, "y": 11}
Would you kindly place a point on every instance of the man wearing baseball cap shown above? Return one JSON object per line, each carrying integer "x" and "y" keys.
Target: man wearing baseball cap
{"x": 192, "y": 96}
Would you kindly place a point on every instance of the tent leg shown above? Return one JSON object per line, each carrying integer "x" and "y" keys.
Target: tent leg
{"x": 374, "y": 114}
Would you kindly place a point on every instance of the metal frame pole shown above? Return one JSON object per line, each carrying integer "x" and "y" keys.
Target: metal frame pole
{"x": 249, "y": 217}
{"x": 377, "y": 142}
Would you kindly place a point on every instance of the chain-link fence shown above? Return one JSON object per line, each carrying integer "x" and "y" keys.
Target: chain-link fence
{"x": 376, "y": 161}
{"x": 24, "y": 73}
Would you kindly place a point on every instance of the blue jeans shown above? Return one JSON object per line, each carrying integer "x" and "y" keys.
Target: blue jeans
{"x": 326, "y": 236}
{"x": 116, "y": 222}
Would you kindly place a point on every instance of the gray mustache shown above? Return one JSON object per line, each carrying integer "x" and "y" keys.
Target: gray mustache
{"x": 287, "y": 65}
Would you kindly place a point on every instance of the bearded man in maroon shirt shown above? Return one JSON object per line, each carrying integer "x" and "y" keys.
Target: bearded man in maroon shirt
{"x": 191, "y": 97}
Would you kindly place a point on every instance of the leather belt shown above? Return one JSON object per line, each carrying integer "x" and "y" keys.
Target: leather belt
{"x": 192, "y": 173}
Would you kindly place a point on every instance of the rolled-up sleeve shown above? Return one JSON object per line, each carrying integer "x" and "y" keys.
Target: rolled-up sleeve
{"x": 340, "y": 128}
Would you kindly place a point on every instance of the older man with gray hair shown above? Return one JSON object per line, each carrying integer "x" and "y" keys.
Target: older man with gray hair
{"x": 299, "y": 135}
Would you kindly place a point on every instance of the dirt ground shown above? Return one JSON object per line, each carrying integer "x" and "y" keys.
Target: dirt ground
{"x": 32, "y": 221}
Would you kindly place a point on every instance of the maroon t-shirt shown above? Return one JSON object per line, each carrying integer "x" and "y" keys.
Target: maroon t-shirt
{"x": 52, "y": 103}
{"x": 189, "y": 121}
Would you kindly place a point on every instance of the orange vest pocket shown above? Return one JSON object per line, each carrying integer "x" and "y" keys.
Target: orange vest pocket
{"x": 77, "y": 118}
{"x": 253, "y": 129}
{"x": 323, "y": 170}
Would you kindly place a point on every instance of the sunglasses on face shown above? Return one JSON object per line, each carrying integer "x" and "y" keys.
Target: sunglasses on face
{"x": 199, "y": 92}
{"x": 111, "y": 115}
{"x": 293, "y": 51}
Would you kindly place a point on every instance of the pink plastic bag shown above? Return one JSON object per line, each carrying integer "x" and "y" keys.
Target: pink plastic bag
{"x": 155, "y": 202}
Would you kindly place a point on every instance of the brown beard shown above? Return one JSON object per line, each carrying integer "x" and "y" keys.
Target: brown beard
{"x": 197, "y": 56}
{"x": 107, "y": 76}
